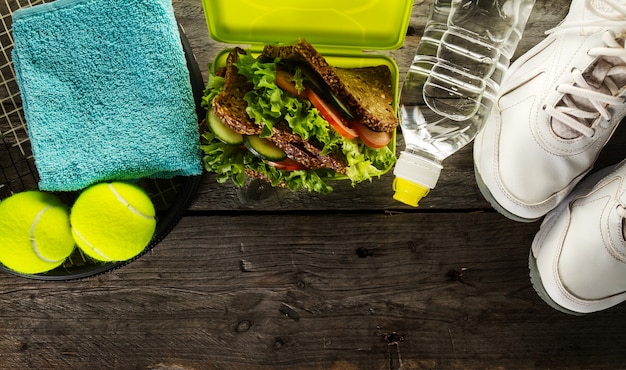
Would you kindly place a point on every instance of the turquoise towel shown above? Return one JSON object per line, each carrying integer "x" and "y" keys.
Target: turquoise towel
{"x": 106, "y": 92}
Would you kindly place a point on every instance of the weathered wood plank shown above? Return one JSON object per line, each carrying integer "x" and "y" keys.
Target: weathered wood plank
{"x": 349, "y": 291}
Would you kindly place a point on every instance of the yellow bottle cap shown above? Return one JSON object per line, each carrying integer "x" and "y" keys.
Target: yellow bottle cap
{"x": 408, "y": 192}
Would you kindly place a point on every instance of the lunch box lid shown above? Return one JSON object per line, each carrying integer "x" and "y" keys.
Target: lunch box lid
{"x": 328, "y": 24}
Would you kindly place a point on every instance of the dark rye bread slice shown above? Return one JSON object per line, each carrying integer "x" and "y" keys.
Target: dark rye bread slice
{"x": 366, "y": 91}
{"x": 368, "y": 94}
{"x": 229, "y": 105}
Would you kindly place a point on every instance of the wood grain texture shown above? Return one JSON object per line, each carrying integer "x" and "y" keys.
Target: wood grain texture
{"x": 261, "y": 279}
{"x": 442, "y": 290}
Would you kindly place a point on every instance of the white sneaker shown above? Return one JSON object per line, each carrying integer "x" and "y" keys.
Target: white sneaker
{"x": 557, "y": 107}
{"x": 578, "y": 257}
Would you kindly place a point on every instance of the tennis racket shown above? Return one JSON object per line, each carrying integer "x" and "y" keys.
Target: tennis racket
{"x": 18, "y": 173}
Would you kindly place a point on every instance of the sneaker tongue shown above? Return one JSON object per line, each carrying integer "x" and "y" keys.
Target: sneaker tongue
{"x": 596, "y": 76}
{"x": 563, "y": 130}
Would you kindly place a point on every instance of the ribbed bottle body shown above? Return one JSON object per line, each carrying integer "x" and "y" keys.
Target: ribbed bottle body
{"x": 453, "y": 80}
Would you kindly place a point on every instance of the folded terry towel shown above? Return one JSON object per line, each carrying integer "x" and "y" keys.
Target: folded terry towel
{"x": 106, "y": 92}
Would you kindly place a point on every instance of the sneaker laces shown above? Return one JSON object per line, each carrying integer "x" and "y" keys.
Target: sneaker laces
{"x": 593, "y": 91}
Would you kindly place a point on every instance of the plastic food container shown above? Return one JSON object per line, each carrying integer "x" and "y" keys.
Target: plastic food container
{"x": 347, "y": 33}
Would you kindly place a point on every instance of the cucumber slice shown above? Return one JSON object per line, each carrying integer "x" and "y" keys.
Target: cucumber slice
{"x": 263, "y": 148}
{"x": 320, "y": 88}
{"x": 224, "y": 133}
{"x": 334, "y": 100}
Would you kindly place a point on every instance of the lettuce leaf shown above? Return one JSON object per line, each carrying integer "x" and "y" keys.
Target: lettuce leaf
{"x": 214, "y": 85}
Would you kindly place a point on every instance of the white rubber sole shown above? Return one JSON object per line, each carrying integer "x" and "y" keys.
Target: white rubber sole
{"x": 489, "y": 197}
{"x": 535, "y": 279}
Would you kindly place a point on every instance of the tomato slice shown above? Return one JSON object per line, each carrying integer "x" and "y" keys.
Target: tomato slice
{"x": 283, "y": 80}
{"x": 331, "y": 115}
{"x": 287, "y": 164}
{"x": 371, "y": 138}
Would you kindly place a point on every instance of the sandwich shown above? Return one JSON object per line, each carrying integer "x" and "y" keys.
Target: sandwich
{"x": 288, "y": 117}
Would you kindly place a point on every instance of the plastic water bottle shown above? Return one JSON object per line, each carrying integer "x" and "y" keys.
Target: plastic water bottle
{"x": 452, "y": 84}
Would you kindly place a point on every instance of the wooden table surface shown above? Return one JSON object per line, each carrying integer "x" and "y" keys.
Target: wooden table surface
{"x": 264, "y": 279}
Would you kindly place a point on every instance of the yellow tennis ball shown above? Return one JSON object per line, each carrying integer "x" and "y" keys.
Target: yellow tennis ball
{"x": 35, "y": 234}
{"x": 113, "y": 221}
